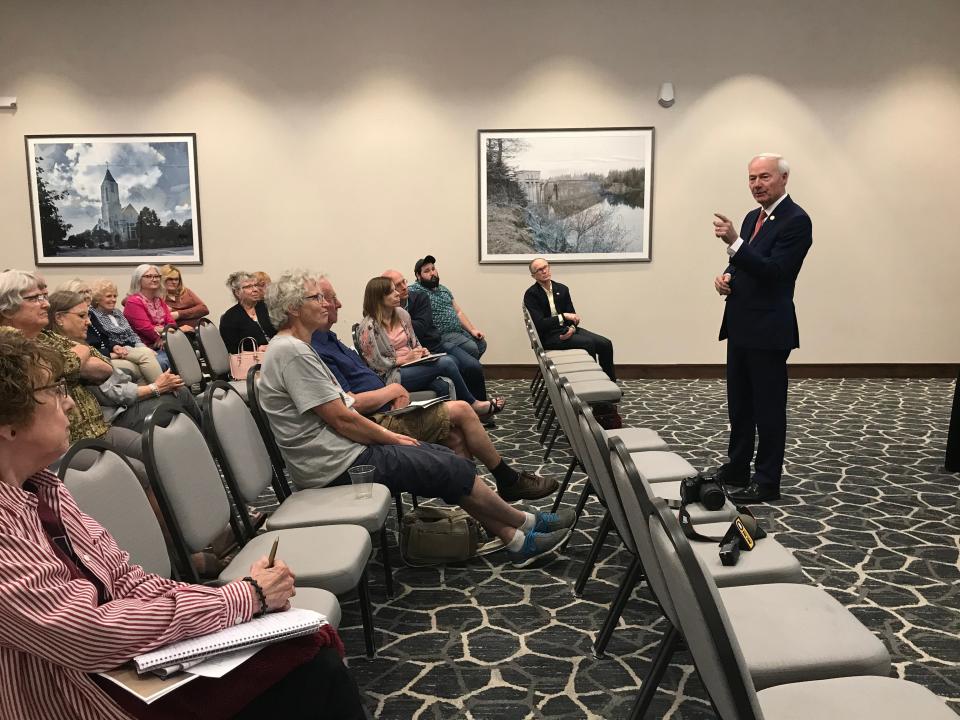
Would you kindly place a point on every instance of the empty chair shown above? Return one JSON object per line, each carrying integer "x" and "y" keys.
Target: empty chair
{"x": 183, "y": 358}
{"x": 216, "y": 355}
{"x": 196, "y": 508}
{"x": 243, "y": 457}
{"x": 109, "y": 492}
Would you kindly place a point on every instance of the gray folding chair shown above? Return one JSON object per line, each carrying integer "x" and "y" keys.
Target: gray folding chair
{"x": 196, "y": 508}
{"x": 216, "y": 355}
{"x": 238, "y": 446}
{"x": 183, "y": 358}
{"x": 109, "y": 492}
{"x": 776, "y": 634}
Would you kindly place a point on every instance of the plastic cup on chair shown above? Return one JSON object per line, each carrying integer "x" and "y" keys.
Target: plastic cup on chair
{"x": 362, "y": 477}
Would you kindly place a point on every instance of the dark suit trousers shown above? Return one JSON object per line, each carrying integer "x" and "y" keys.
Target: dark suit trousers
{"x": 757, "y": 405}
{"x": 952, "y": 462}
{"x": 597, "y": 345}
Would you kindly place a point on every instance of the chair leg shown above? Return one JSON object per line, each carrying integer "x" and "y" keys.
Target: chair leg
{"x": 564, "y": 484}
{"x": 535, "y": 379}
{"x": 548, "y": 426}
{"x": 658, "y": 667}
{"x": 385, "y": 559}
{"x": 616, "y": 608}
{"x": 413, "y": 499}
{"x": 399, "y": 498}
{"x": 553, "y": 439}
{"x": 541, "y": 409}
{"x": 605, "y": 524}
{"x": 366, "y": 614}
{"x": 577, "y": 511}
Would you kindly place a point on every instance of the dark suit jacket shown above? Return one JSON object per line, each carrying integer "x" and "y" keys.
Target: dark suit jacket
{"x": 418, "y": 305}
{"x": 759, "y": 312}
{"x": 535, "y": 300}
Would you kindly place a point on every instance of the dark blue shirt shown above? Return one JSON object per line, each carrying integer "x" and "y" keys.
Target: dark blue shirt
{"x": 351, "y": 372}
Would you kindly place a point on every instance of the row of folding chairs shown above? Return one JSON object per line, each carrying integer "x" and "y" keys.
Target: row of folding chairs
{"x": 765, "y": 644}
{"x": 185, "y": 355}
{"x": 204, "y": 481}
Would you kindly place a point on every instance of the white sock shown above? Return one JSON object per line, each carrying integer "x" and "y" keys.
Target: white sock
{"x": 517, "y": 542}
{"x": 529, "y": 521}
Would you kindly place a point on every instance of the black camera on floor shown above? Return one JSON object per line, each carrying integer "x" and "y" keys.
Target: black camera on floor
{"x": 702, "y": 490}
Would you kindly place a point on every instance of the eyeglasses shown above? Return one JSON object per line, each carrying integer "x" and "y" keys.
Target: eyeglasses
{"x": 315, "y": 298}
{"x": 60, "y": 387}
{"x": 150, "y": 277}
{"x": 541, "y": 269}
{"x": 38, "y": 298}
{"x": 332, "y": 299}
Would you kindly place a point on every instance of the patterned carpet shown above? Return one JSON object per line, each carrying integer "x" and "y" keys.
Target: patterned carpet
{"x": 867, "y": 509}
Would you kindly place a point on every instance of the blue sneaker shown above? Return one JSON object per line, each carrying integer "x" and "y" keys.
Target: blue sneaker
{"x": 551, "y": 522}
{"x": 535, "y": 545}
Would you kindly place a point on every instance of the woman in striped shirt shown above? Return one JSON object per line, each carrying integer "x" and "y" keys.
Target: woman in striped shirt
{"x": 70, "y": 602}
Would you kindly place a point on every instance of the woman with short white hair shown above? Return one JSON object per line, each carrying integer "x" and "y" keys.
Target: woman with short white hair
{"x": 249, "y": 317}
{"x": 111, "y": 334}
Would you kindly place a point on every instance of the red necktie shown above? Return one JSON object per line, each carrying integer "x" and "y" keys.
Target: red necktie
{"x": 760, "y": 219}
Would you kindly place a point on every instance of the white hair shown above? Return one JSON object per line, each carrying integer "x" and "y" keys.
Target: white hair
{"x": 286, "y": 294}
{"x": 138, "y": 272}
{"x": 13, "y": 283}
{"x": 783, "y": 167}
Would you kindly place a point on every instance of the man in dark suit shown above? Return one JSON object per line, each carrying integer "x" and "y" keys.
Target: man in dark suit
{"x": 558, "y": 324}
{"x": 760, "y": 326}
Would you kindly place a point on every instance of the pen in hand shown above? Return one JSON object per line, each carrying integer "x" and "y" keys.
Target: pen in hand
{"x": 273, "y": 553}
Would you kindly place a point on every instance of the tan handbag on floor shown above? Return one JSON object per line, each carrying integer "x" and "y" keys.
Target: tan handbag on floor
{"x": 241, "y": 362}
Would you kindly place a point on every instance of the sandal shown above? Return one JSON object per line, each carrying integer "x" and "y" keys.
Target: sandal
{"x": 496, "y": 405}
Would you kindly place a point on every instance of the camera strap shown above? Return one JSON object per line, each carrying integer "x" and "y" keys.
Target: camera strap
{"x": 744, "y": 526}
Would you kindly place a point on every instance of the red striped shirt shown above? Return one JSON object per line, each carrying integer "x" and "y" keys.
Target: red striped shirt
{"x": 52, "y": 631}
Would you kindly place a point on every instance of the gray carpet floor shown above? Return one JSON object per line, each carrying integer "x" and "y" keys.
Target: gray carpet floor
{"x": 867, "y": 509}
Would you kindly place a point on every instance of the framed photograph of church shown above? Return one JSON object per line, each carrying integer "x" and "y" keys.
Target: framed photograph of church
{"x": 570, "y": 195}
{"x": 114, "y": 199}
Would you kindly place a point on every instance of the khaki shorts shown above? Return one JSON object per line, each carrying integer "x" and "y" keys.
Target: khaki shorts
{"x": 431, "y": 424}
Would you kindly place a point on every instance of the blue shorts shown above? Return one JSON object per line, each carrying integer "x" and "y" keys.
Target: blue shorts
{"x": 426, "y": 470}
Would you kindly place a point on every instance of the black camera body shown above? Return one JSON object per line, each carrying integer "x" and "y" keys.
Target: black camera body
{"x": 730, "y": 552}
{"x": 702, "y": 490}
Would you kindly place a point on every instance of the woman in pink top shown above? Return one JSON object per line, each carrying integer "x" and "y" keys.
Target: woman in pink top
{"x": 144, "y": 308}
{"x": 387, "y": 342}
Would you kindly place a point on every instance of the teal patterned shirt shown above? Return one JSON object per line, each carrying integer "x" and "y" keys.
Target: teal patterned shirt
{"x": 441, "y": 303}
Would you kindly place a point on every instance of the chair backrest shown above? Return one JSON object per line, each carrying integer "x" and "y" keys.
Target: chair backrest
{"x": 355, "y": 332}
{"x": 704, "y": 622}
{"x": 183, "y": 358}
{"x": 281, "y": 486}
{"x": 213, "y": 349}
{"x": 108, "y": 491}
{"x": 599, "y": 470}
{"x": 185, "y": 480}
{"x": 637, "y": 509}
{"x": 236, "y": 441}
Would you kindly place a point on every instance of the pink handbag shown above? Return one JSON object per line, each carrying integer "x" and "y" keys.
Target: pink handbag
{"x": 241, "y": 362}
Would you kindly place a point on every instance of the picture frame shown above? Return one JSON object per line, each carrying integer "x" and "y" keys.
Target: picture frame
{"x": 574, "y": 195}
{"x": 111, "y": 199}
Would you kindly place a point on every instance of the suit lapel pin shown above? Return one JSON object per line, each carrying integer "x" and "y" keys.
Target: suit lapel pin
{"x": 772, "y": 218}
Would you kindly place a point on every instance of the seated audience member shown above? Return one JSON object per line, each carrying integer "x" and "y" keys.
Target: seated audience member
{"x": 185, "y": 307}
{"x": 453, "y": 424}
{"x": 70, "y": 610}
{"x": 321, "y": 435}
{"x": 111, "y": 334}
{"x": 145, "y": 308}
{"x": 558, "y": 324}
{"x": 421, "y": 315}
{"x": 263, "y": 282}
{"x": 387, "y": 341}
{"x": 457, "y": 333}
{"x": 123, "y": 403}
{"x": 249, "y": 317}
{"x": 24, "y": 307}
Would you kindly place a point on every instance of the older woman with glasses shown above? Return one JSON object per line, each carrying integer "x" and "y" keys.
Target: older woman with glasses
{"x": 111, "y": 334}
{"x": 185, "y": 305}
{"x": 145, "y": 308}
{"x": 249, "y": 317}
{"x": 72, "y": 604}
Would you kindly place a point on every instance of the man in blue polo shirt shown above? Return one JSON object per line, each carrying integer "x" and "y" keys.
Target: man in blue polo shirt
{"x": 453, "y": 424}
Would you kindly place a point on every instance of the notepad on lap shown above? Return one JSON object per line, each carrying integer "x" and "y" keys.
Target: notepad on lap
{"x": 418, "y": 405}
{"x": 269, "y": 628}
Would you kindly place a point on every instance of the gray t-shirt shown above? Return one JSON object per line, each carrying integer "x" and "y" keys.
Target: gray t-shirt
{"x": 293, "y": 381}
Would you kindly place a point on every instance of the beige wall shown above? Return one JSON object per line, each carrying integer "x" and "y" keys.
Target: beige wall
{"x": 342, "y": 136}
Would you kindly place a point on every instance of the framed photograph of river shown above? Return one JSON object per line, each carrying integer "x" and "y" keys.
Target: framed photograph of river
{"x": 575, "y": 195}
{"x": 114, "y": 199}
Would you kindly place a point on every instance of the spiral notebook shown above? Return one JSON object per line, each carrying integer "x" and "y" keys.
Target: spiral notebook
{"x": 269, "y": 628}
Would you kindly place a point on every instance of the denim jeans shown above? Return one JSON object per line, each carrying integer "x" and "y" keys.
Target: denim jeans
{"x": 426, "y": 377}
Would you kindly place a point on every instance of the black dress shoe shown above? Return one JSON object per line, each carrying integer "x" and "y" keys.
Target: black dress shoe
{"x": 729, "y": 477}
{"x": 755, "y": 493}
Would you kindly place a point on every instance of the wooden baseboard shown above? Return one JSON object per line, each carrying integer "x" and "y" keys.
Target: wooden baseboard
{"x": 802, "y": 370}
